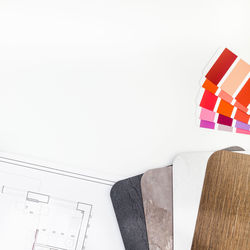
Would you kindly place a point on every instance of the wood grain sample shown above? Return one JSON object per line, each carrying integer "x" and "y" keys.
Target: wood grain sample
{"x": 189, "y": 170}
{"x": 223, "y": 221}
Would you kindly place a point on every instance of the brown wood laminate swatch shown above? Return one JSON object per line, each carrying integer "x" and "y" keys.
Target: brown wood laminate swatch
{"x": 223, "y": 221}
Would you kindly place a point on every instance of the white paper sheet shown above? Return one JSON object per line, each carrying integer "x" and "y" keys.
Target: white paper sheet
{"x": 45, "y": 207}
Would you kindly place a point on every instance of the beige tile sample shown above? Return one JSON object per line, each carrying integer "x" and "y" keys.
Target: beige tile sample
{"x": 157, "y": 194}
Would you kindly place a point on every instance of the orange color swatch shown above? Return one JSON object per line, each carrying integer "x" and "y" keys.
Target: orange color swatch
{"x": 244, "y": 95}
{"x": 208, "y": 85}
{"x": 225, "y": 108}
{"x": 241, "y": 116}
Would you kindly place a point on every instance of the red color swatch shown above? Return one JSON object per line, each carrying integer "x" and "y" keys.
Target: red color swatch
{"x": 208, "y": 100}
{"x": 221, "y": 66}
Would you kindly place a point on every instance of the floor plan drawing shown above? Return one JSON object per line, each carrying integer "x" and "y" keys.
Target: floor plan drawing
{"x": 45, "y": 208}
{"x": 49, "y": 223}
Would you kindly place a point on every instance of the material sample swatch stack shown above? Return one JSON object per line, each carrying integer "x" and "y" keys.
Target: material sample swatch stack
{"x": 200, "y": 198}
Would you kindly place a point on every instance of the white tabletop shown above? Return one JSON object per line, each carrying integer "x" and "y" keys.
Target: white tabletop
{"x": 112, "y": 85}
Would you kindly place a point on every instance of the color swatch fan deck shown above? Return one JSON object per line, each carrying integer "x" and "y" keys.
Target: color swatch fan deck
{"x": 225, "y": 101}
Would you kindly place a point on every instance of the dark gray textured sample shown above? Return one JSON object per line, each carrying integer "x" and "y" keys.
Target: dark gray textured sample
{"x": 234, "y": 148}
{"x": 127, "y": 201}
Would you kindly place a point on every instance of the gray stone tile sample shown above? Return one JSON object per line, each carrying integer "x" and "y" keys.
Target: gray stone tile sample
{"x": 234, "y": 148}
{"x": 127, "y": 202}
{"x": 157, "y": 193}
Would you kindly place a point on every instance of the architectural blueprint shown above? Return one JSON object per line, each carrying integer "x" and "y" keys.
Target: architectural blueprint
{"x": 44, "y": 207}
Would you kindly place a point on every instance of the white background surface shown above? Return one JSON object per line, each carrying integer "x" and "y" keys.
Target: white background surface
{"x": 112, "y": 85}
